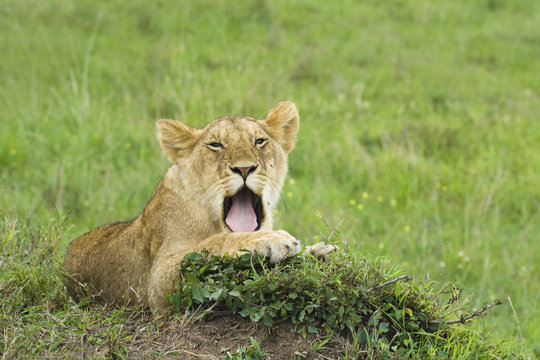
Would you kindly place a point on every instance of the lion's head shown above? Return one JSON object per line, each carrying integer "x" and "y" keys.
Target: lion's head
{"x": 235, "y": 166}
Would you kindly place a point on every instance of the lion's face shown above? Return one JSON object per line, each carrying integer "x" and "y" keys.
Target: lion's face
{"x": 235, "y": 166}
{"x": 240, "y": 168}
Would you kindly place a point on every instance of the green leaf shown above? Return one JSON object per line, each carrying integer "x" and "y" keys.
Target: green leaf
{"x": 267, "y": 320}
{"x": 206, "y": 292}
{"x": 362, "y": 336}
{"x": 198, "y": 294}
{"x": 413, "y": 324}
{"x": 302, "y": 315}
{"x": 192, "y": 256}
{"x": 191, "y": 279}
{"x": 216, "y": 294}
{"x": 202, "y": 270}
{"x": 256, "y": 316}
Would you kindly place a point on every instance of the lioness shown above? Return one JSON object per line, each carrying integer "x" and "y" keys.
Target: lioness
{"x": 219, "y": 195}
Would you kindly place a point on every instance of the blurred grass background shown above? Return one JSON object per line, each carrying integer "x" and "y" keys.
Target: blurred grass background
{"x": 419, "y": 122}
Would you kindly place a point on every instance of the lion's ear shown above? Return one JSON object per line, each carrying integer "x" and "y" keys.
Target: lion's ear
{"x": 175, "y": 138}
{"x": 282, "y": 124}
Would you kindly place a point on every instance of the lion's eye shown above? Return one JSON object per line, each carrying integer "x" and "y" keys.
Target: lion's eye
{"x": 216, "y": 145}
{"x": 259, "y": 141}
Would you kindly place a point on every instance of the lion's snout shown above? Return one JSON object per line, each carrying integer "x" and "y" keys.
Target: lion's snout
{"x": 244, "y": 171}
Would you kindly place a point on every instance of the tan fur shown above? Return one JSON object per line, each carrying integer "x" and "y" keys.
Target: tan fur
{"x": 137, "y": 261}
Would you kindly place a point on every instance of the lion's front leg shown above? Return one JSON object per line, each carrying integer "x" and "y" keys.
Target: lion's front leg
{"x": 275, "y": 245}
{"x": 163, "y": 280}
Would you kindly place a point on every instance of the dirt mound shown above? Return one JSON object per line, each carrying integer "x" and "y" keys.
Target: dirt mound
{"x": 210, "y": 338}
{"x": 216, "y": 337}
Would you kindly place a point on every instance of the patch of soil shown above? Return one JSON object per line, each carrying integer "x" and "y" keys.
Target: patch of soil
{"x": 211, "y": 338}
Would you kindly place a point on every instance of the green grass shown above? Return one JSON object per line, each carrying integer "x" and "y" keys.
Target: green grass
{"x": 432, "y": 105}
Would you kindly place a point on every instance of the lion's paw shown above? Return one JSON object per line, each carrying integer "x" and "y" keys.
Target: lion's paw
{"x": 320, "y": 250}
{"x": 277, "y": 246}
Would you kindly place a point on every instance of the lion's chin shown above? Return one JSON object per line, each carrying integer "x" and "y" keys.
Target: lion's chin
{"x": 243, "y": 212}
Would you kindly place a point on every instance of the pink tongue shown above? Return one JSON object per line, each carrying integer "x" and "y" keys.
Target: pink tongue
{"x": 241, "y": 216}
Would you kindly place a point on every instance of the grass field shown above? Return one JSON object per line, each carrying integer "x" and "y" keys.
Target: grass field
{"x": 419, "y": 124}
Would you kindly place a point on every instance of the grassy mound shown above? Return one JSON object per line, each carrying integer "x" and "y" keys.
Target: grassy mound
{"x": 379, "y": 311}
{"x": 346, "y": 307}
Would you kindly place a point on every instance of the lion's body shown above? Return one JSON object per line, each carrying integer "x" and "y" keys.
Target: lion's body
{"x": 199, "y": 204}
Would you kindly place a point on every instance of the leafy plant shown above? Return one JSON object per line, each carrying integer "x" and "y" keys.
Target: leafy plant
{"x": 251, "y": 352}
{"x": 361, "y": 298}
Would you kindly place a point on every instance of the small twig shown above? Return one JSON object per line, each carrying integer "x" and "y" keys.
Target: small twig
{"x": 464, "y": 319}
{"x": 455, "y": 297}
{"x": 402, "y": 277}
{"x": 462, "y": 304}
{"x": 217, "y": 314}
{"x": 334, "y": 229}
{"x": 83, "y": 357}
{"x": 199, "y": 356}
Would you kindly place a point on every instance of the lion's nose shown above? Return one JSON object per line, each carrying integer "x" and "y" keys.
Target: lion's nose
{"x": 244, "y": 171}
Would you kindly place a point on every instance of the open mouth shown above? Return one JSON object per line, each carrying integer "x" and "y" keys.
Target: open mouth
{"x": 243, "y": 212}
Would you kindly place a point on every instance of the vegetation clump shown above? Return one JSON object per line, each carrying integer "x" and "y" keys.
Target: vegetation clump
{"x": 363, "y": 299}
{"x": 346, "y": 307}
